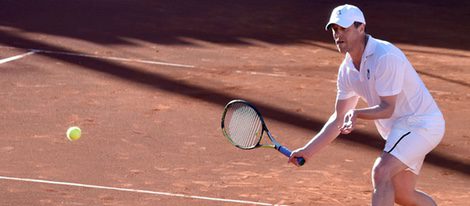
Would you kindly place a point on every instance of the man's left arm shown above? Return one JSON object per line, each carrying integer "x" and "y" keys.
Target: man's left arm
{"x": 383, "y": 110}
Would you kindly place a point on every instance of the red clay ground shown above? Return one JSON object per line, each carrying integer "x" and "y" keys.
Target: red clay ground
{"x": 156, "y": 127}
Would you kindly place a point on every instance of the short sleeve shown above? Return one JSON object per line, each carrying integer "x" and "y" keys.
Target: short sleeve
{"x": 344, "y": 89}
{"x": 390, "y": 74}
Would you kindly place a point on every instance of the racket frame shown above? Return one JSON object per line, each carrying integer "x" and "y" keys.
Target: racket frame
{"x": 276, "y": 145}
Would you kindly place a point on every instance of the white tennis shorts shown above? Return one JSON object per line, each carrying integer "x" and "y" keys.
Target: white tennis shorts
{"x": 411, "y": 138}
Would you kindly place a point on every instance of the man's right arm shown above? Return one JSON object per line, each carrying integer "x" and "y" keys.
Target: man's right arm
{"x": 329, "y": 132}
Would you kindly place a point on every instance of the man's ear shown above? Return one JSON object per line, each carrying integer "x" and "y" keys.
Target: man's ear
{"x": 362, "y": 28}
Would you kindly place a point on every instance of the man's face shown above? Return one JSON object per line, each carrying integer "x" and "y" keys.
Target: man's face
{"x": 347, "y": 39}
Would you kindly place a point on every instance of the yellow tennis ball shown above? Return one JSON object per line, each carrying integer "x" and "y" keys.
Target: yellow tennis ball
{"x": 74, "y": 133}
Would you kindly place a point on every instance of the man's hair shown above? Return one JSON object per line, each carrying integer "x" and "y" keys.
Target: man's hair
{"x": 357, "y": 24}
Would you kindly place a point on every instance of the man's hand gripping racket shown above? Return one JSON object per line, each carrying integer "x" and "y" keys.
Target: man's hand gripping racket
{"x": 244, "y": 126}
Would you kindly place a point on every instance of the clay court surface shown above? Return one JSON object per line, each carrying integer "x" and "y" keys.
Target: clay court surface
{"x": 147, "y": 82}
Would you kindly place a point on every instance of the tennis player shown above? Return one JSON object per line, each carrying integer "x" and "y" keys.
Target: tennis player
{"x": 404, "y": 111}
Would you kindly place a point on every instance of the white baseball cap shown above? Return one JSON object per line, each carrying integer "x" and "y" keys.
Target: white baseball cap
{"x": 345, "y": 16}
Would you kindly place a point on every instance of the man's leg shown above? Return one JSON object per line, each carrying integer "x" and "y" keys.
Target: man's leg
{"x": 406, "y": 194}
{"x": 385, "y": 168}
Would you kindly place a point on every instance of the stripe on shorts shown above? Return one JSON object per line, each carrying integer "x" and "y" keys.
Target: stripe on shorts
{"x": 398, "y": 141}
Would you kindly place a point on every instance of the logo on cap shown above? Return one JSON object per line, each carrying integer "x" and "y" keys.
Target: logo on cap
{"x": 345, "y": 16}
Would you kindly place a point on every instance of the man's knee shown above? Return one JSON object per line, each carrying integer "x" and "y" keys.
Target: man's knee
{"x": 381, "y": 174}
{"x": 385, "y": 168}
{"x": 405, "y": 197}
{"x": 412, "y": 198}
{"x": 404, "y": 186}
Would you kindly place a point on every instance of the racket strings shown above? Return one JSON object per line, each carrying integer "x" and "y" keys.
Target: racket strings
{"x": 244, "y": 125}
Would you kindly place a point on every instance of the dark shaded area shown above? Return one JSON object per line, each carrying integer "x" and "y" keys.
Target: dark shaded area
{"x": 107, "y": 22}
{"x": 430, "y": 23}
{"x": 466, "y": 84}
{"x": 160, "y": 82}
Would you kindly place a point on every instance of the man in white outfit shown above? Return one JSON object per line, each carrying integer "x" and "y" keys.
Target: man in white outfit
{"x": 405, "y": 113}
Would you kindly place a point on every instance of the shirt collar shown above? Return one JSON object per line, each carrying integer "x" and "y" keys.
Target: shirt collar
{"x": 368, "y": 51}
{"x": 370, "y": 47}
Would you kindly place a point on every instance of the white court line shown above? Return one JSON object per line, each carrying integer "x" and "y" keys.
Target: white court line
{"x": 261, "y": 73}
{"x": 134, "y": 190}
{"x": 112, "y": 58}
{"x": 13, "y": 58}
{"x": 32, "y": 51}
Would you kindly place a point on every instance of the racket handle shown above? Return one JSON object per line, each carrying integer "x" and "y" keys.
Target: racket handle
{"x": 287, "y": 152}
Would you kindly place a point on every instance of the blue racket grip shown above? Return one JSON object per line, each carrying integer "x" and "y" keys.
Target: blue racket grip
{"x": 287, "y": 152}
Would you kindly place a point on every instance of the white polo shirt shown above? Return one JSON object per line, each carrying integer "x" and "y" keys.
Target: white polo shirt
{"x": 385, "y": 71}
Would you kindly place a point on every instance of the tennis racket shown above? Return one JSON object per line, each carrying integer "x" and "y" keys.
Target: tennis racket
{"x": 244, "y": 126}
